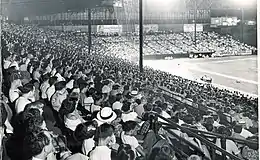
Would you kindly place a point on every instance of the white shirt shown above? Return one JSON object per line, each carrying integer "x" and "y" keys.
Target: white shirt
{"x": 88, "y": 101}
{"x": 34, "y": 158}
{"x": 132, "y": 116}
{"x": 13, "y": 94}
{"x": 7, "y": 64}
{"x": 45, "y": 85}
{"x": 100, "y": 153}
{"x": 59, "y": 77}
{"x": 72, "y": 124}
{"x": 245, "y": 133}
{"x": 15, "y": 64}
{"x": 117, "y": 105}
{"x": 88, "y": 145}
{"x": 231, "y": 147}
{"x": 20, "y": 104}
{"x": 131, "y": 140}
{"x": 50, "y": 91}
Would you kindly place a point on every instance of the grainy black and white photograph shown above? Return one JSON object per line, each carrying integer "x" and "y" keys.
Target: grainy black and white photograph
{"x": 129, "y": 80}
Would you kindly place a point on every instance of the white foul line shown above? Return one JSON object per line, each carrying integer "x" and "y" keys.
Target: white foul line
{"x": 229, "y": 60}
{"x": 223, "y": 75}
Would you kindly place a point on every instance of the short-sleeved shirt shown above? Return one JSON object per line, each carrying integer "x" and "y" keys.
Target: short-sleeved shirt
{"x": 100, "y": 153}
{"x": 231, "y": 147}
{"x": 132, "y": 116}
{"x": 131, "y": 140}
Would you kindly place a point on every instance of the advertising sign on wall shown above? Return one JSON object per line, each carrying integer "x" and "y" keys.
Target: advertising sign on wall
{"x": 148, "y": 28}
{"x": 224, "y": 21}
{"x": 191, "y": 27}
{"x": 110, "y": 28}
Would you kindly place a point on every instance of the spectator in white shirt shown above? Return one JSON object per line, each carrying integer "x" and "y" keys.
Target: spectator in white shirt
{"x": 128, "y": 114}
{"x": 70, "y": 115}
{"x": 44, "y": 86}
{"x": 39, "y": 146}
{"x": 7, "y": 62}
{"x": 59, "y": 96}
{"x": 118, "y": 103}
{"x": 127, "y": 136}
{"x": 106, "y": 139}
{"x": 14, "y": 92}
{"x": 231, "y": 146}
{"x": 58, "y": 74}
{"x": 26, "y": 98}
{"x": 51, "y": 90}
{"x": 84, "y": 134}
{"x": 245, "y": 133}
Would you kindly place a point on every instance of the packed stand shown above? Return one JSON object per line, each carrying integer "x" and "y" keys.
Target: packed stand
{"x": 172, "y": 43}
{"x": 60, "y": 103}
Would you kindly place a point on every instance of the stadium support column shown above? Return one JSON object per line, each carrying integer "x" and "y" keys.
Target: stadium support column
{"x": 195, "y": 22}
{"x": 242, "y": 24}
{"x": 141, "y": 35}
{"x": 89, "y": 30}
{"x": 1, "y": 27}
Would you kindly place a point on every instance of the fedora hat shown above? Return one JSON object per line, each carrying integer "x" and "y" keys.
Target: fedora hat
{"x": 106, "y": 115}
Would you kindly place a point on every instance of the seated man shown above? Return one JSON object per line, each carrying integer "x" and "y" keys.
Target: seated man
{"x": 106, "y": 139}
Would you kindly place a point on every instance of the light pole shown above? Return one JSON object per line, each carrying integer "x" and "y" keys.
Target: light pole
{"x": 242, "y": 24}
{"x": 141, "y": 35}
{"x": 195, "y": 22}
{"x": 89, "y": 31}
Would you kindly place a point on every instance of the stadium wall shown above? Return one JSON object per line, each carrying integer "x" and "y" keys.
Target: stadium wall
{"x": 126, "y": 28}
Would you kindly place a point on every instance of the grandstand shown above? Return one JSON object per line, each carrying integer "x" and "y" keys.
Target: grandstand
{"x": 73, "y": 85}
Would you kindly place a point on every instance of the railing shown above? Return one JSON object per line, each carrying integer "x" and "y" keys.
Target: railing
{"x": 203, "y": 140}
{"x": 215, "y": 135}
{"x": 189, "y": 102}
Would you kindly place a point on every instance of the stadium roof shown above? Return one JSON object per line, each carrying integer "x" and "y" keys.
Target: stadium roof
{"x": 26, "y": 8}
{"x": 43, "y": 7}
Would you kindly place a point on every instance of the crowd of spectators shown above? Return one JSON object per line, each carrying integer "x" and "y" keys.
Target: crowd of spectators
{"x": 173, "y": 43}
{"x": 59, "y": 102}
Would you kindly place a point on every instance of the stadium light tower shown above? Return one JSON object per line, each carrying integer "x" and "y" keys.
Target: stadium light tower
{"x": 141, "y": 35}
{"x": 242, "y": 4}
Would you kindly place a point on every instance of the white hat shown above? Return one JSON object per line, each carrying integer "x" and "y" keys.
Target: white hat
{"x": 106, "y": 115}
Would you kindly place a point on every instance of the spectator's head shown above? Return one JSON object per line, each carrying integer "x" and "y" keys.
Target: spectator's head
{"x": 209, "y": 127}
{"x": 67, "y": 108}
{"x": 37, "y": 105}
{"x": 238, "y": 129}
{"x": 126, "y": 106}
{"x": 60, "y": 86}
{"x": 189, "y": 119}
{"x": 164, "y": 152}
{"x": 33, "y": 120}
{"x": 119, "y": 97}
{"x": 90, "y": 92}
{"x": 106, "y": 135}
{"x": 194, "y": 157}
{"x": 27, "y": 90}
{"x": 38, "y": 144}
{"x": 85, "y": 131}
{"x": 53, "y": 80}
{"x": 125, "y": 152}
{"x": 130, "y": 127}
{"x": 158, "y": 110}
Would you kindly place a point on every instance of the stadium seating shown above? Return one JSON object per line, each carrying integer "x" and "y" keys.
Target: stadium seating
{"x": 101, "y": 101}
